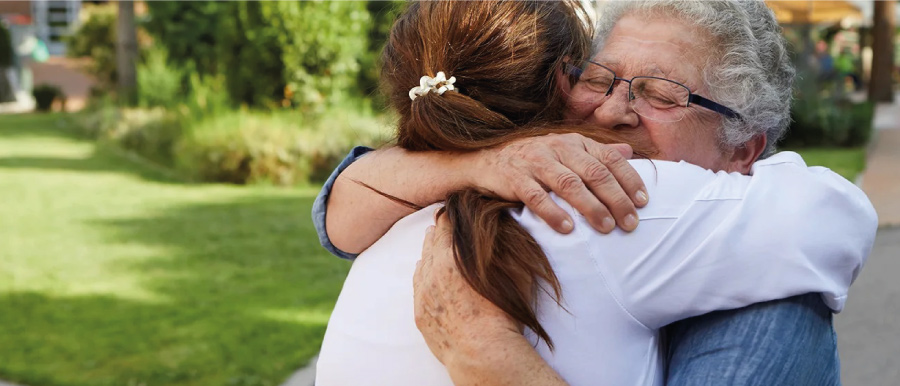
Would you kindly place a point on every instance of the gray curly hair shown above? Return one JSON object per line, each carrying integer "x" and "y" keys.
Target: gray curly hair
{"x": 750, "y": 70}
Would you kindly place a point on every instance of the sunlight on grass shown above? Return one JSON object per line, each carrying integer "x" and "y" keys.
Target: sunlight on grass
{"x": 113, "y": 274}
{"x": 305, "y": 317}
{"x": 848, "y": 162}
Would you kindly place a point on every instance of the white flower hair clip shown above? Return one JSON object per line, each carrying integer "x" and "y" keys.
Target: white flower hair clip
{"x": 438, "y": 84}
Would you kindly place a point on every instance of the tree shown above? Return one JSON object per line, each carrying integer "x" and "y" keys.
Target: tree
{"x": 881, "y": 86}
{"x": 126, "y": 53}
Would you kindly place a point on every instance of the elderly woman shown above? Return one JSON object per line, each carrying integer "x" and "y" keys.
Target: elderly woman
{"x": 687, "y": 53}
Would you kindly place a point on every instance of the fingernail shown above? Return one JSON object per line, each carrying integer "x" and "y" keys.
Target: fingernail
{"x": 641, "y": 197}
{"x": 630, "y": 222}
{"x": 567, "y": 225}
{"x": 608, "y": 224}
{"x": 429, "y": 229}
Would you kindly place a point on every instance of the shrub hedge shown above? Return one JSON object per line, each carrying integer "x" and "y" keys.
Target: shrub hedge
{"x": 239, "y": 147}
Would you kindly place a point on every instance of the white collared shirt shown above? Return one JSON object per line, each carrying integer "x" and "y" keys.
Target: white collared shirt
{"x": 706, "y": 241}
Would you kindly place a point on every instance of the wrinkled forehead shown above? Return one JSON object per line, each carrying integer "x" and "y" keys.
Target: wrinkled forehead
{"x": 657, "y": 47}
{"x": 644, "y": 57}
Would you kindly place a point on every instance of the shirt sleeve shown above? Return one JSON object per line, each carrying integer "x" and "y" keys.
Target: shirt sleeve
{"x": 320, "y": 205}
{"x": 796, "y": 230}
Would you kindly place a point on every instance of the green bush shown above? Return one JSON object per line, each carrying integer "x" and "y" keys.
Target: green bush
{"x": 252, "y": 147}
{"x": 150, "y": 133}
{"x": 45, "y": 94}
{"x": 189, "y": 31}
{"x": 324, "y": 43}
{"x": 818, "y": 122}
{"x": 240, "y": 147}
{"x": 306, "y": 55}
{"x": 96, "y": 38}
{"x": 159, "y": 83}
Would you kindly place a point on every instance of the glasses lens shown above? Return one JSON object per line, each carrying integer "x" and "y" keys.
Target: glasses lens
{"x": 659, "y": 99}
{"x": 596, "y": 77}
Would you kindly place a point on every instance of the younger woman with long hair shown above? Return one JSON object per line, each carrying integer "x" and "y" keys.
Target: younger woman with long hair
{"x": 464, "y": 76}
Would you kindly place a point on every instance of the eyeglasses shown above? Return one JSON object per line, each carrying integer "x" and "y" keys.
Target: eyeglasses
{"x": 652, "y": 97}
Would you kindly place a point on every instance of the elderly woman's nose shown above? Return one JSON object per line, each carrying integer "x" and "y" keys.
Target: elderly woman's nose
{"x": 616, "y": 111}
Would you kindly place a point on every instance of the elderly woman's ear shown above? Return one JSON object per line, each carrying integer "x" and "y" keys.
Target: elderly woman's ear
{"x": 744, "y": 156}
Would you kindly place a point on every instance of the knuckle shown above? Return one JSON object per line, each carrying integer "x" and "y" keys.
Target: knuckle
{"x": 420, "y": 319}
{"x": 533, "y": 196}
{"x": 610, "y": 156}
{"x": 597, "y": 173}
{"x": 568, "y": 182}
{"x": 571, "y": 136}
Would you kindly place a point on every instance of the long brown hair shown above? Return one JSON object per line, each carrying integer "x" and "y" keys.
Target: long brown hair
{"x": 506, "y": 57}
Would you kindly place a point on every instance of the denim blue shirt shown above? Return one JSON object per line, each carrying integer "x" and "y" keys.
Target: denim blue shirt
{"x": 320, "y": 206}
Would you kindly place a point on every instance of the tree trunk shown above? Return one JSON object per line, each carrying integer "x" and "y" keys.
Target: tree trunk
{"x": 881, "y": 86}
{"x": 126, "y": 53}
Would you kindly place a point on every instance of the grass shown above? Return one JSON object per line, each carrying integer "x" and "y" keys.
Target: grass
{"x": 848, "y": 162}
{"x": 111, "y": 273}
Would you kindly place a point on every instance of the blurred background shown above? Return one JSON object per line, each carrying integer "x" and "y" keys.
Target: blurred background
{"x": 158, "y": 162}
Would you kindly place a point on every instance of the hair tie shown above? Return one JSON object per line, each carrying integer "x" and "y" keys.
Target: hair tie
{"x": 438, "y": 84}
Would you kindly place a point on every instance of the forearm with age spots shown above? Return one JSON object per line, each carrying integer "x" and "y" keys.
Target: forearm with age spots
{"x": 357, "y": 216}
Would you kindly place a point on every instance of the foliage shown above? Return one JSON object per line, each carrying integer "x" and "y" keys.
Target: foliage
{"x": 119, "y": 276}
{"x": 246, "y": 147}
{"x": 159, "y": 83}
{"x": 306, "y": 55}
{"x": 96, "y": 38}
{"x": 292, "y": 67}
{"x": 383, "y": 14}
{"x": 818, "y": 122}
{"x": 240, "y": 147}
{"x": 323, "y": 45}
{"x": 189, "y": 31}
{"x": 45, "y": 95}
{"x": 251, "y": 54}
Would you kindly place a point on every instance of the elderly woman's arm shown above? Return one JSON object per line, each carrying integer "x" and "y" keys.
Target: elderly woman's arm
{"x": 477, "y": 342}
{"x": 595, "y": 178}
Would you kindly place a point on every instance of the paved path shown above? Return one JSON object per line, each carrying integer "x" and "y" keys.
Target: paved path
{"x": 881, "y": 180}
{"x": 303, "y": 377}
{"x": 869, "y": 328}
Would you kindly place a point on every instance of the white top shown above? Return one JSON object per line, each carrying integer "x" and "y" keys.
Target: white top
{"x": 706, "y": 241}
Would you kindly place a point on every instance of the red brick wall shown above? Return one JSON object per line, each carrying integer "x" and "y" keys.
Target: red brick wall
{"x": 19, "y": 7}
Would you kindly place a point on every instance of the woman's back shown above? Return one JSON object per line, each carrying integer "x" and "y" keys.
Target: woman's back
{"x": 618, "y": 289}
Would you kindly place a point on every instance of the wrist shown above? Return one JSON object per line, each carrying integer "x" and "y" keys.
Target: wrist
{"x": 486, "y": 351}
{"x": 467, "y": 165}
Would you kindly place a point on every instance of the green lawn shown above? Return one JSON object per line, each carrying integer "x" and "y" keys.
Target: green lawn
{"x": 112, "y": 274}
{"x": 848, "y": 162}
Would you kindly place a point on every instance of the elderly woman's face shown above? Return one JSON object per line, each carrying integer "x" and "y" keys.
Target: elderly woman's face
{"x": 661, "y": 48}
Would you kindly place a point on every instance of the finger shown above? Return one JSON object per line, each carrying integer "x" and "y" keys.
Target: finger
{"x": 428, "y": 247}
{"x": 538, "y": 200}
{"x": 442, "y": 247}
{"x": 617, "y": 163}
{"x": 604, "y": 188}
{"x": 569, "y": 185}
{"x": 612, "y": 169}
{"x": 624, "y": 149}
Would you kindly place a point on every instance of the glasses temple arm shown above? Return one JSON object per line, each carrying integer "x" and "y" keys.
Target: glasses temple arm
{"x": 701, "y": 101}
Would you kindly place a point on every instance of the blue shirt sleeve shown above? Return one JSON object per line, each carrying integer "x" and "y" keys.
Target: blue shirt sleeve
{"x": 320, "y": 205}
